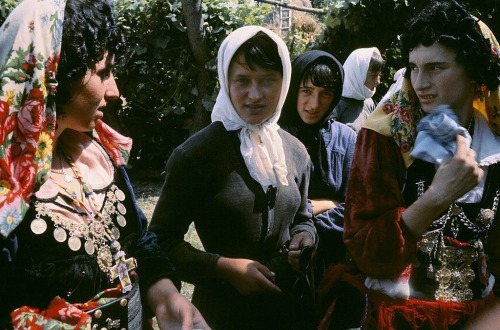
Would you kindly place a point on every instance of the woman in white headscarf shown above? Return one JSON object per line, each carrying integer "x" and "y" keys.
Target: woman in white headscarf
{"x": 362, "y": 70}
{"x": 243, "y": 182}
{"x": 73, "y": 240}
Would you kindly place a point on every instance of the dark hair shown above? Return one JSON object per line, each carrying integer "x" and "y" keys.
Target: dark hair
{"x": 321, "y": 75}
{"x": 449, "y": 24}
{"x": 377, "y": 63}
{"x": 89, "y": 31}
{"x": 261, "y": 51}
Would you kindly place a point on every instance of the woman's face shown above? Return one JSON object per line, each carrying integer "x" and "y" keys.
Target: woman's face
{"x": 438, "y": 78}
{"x": 313, "y": 102}
{"x": 373, "y": 79}
{"x": 89, "y": 98}
{"x": 254, "y": 93}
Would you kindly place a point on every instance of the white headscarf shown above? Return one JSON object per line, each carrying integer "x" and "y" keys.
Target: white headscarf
{"x": 355, "y": 73}
{"x": 265, "y": 161}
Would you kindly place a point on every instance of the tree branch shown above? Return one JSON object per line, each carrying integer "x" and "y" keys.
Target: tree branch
{"x": 299, "y": 8}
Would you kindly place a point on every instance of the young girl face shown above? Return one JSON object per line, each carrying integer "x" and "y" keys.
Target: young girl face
{"x": 89, "y": 98}
{"x": 313, "y": 102}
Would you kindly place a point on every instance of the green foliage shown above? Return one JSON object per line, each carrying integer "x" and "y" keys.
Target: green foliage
{"x": 354, "y": 24}
{"x": 6, "y": 7}
{"x": 158, "y": 78}
{"x": 253, "y": 14}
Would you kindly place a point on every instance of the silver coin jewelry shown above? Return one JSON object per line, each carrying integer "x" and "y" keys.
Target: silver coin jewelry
{"x": 99, "y": 235}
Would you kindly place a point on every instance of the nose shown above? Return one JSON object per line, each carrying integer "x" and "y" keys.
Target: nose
{"x": 419, "y": 80}
{"x": 377, "y": 79}
{"x": 313, "y": 101}
{"x": 255, "y": 92}
{"x": 112, "y": 92}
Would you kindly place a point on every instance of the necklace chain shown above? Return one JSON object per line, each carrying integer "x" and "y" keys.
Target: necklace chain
{"x": 100, "y": 234}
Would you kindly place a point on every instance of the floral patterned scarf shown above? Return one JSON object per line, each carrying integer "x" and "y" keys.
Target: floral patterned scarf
{"x": 399, "y": 114}
{"x": 30, "y": 42}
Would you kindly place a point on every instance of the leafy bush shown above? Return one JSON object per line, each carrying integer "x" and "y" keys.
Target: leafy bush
{"x": 354, "y": 24}
{"x": 6, "y": 8}
{"x": 159, "y": 76}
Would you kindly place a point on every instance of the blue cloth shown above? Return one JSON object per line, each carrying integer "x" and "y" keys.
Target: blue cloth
{"x": 436, "y": 135}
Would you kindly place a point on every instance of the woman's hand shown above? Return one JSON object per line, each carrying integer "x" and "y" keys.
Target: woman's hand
{"x": 298, "y": 242}
{"x": 173, "y": 310}
{"x": 458, "y": 175}
{"x": 322, "y": 205}
{"x": 452, "y": 180}
{"x": 248, "y": 277}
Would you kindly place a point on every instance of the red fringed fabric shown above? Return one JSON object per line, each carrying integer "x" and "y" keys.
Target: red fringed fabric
{"x": 386, "y": 313}
{"x": 336, "y": 275}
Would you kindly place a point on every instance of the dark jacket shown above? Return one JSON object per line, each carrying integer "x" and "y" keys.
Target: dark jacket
{"x": 331, "y": 147}
{"x": 36, "y": 268}
{"x": 208, "y": 183}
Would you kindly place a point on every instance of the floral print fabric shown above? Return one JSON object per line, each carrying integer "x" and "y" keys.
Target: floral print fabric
{"x": 31, "y": 44}
{"x": 27, "y": 71}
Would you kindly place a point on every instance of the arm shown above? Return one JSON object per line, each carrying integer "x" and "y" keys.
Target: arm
{"x": 173, "y": 310}
{"x": 329, "y": 213}
{"x": 380, "y": 230}
{"x": 302, "y": 231}
{"x": 373, "y": 231}
{"x": 173, "y": 214}
{"x": 453, "y": 179}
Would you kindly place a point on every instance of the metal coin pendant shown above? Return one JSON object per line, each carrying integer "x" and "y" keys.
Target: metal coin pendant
{"x": 115, "y": 232}
{"x": 120, "y": 195}
{"x": 38, "y": 226}
{"x": 455, "y": 209}
{"x": 60, "y": 234}
{"x": 121, "y": 208}
{"x": 74, "y": 243}
{"x": 89, "y": 247}
{"x": 121, "y": 220}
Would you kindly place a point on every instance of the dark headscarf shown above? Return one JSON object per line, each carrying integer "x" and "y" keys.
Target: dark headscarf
{"x": 290, "y": 120}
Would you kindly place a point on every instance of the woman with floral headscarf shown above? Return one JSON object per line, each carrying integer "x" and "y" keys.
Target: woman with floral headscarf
{"x": 74, "y": 241}
{"x": 422, "y": 218}
{"x": 243, "y": 182}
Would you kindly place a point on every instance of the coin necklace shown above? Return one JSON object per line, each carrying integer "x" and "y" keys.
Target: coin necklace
{"x": 100, "y": 234}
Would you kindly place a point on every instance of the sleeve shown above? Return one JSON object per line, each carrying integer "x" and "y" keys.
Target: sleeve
{"x": 303, "y": 218}
{"x": 175, "y": 211}
{"x": 374, "y": 232}
{"x": 333, "y": 219}
{"x": 152, "y": 263}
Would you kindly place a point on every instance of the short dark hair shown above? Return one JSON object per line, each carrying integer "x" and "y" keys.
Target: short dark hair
{"x": 321, "y": 75}
{"x": 377, "y": 62}
{"x": 449, "y": 24}
{"x": 89, "y": 31}
{"x": 261, "y": 51}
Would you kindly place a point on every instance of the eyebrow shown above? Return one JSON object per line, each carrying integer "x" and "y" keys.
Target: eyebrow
{"x": 432, "y": 63}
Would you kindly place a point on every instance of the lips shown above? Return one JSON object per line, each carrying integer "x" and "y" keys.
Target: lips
{"x": 427, "y": 97}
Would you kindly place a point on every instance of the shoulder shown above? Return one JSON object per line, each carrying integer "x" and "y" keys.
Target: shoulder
{"x": 292, "y": 145}
{"x": 341, "y": 131}
{"x": 205, "y": 140}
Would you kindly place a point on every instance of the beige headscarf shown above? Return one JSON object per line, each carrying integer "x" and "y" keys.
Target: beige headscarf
{"x": 266, "y": 161}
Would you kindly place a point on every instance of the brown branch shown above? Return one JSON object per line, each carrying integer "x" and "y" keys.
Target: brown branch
{"x": 299, "y": 8}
